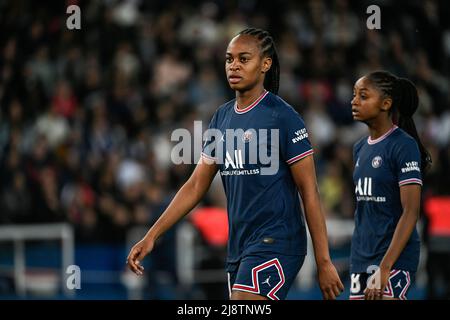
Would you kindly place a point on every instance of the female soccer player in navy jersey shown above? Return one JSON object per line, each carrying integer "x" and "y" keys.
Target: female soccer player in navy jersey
{"x": 388, "y": 179}
{"x": 267, "y": 235}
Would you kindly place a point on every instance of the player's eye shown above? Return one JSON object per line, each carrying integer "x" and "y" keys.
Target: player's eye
{"x": 244, "y": 59}
{"x": 229, "y": 59}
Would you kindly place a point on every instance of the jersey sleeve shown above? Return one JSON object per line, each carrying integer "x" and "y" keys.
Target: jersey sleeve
{"x": 209, "y": 145}
{"x": 295, "y": 144}
{"x": 408, "y": 163}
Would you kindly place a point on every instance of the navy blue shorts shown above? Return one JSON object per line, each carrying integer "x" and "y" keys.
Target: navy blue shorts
{"x": 267, "y": 274}
{"x": 397, "y": 286}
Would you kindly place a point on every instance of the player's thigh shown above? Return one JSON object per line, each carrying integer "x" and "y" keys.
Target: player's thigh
{"x": 242, "y": 295}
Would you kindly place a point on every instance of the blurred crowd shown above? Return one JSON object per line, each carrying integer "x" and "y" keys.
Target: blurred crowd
{"x": 86, "y": 115}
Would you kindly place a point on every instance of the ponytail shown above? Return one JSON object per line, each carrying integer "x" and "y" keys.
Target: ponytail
{"x": 405, "y": 101}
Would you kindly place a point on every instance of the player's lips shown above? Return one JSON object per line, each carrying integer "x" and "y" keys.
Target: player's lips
{"x": 234, "y": 79}
{"x": 355, "y": 112}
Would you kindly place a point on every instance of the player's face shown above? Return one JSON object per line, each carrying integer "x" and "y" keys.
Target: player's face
{"x": 244, "y": 65}
{"x": 367, "y": 102}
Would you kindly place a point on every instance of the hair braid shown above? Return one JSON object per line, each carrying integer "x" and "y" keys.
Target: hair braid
{"x": 268, "y": 49}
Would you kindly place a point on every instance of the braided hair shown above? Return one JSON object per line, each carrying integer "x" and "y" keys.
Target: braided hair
{"x": 268, "y": 49}
{"x": 405, "y": 102}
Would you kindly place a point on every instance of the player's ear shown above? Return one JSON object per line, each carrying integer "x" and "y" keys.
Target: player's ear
{"x": 386, "y": 104}
{"x": 266, "y": 64}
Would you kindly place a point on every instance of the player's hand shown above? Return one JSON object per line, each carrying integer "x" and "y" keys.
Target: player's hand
{"x": 137, "y": 253}
{"x": 329, "y": 281}
{"x": 376, "y": 284}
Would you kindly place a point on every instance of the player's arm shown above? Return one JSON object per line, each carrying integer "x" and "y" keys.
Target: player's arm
{"x": 184, "y": 201}
{"x": 410, "y": 199}
{"x": 304, "y": 175}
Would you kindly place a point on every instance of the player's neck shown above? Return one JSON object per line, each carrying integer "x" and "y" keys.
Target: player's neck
{"x": 377, "y": 130}
{"x": 246, "y": 98}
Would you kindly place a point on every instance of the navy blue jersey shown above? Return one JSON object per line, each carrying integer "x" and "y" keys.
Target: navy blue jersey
{"x": 382, "y": 166}
{"x": 263, "y": 204}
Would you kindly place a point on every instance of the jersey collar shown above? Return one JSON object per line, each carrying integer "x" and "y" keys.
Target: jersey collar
{"x": 384, "y": 136}
{"x": 252, "y": 105}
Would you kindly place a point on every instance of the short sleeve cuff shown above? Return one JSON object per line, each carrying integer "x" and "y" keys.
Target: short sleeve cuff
{"x": 207, "y": 157}
{"x": 410, "y": 181}
{"x": 300, "y": 156}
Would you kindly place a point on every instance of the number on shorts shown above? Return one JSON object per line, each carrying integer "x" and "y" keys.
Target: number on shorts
{"x": 355, "y": 284}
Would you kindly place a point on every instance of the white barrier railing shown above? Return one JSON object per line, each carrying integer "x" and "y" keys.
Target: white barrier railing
{"x": 19, "y": 234}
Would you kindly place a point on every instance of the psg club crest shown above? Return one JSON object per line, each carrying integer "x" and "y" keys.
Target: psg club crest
{"x": 376, "y": 162}
{"x": 247, "y": 136}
